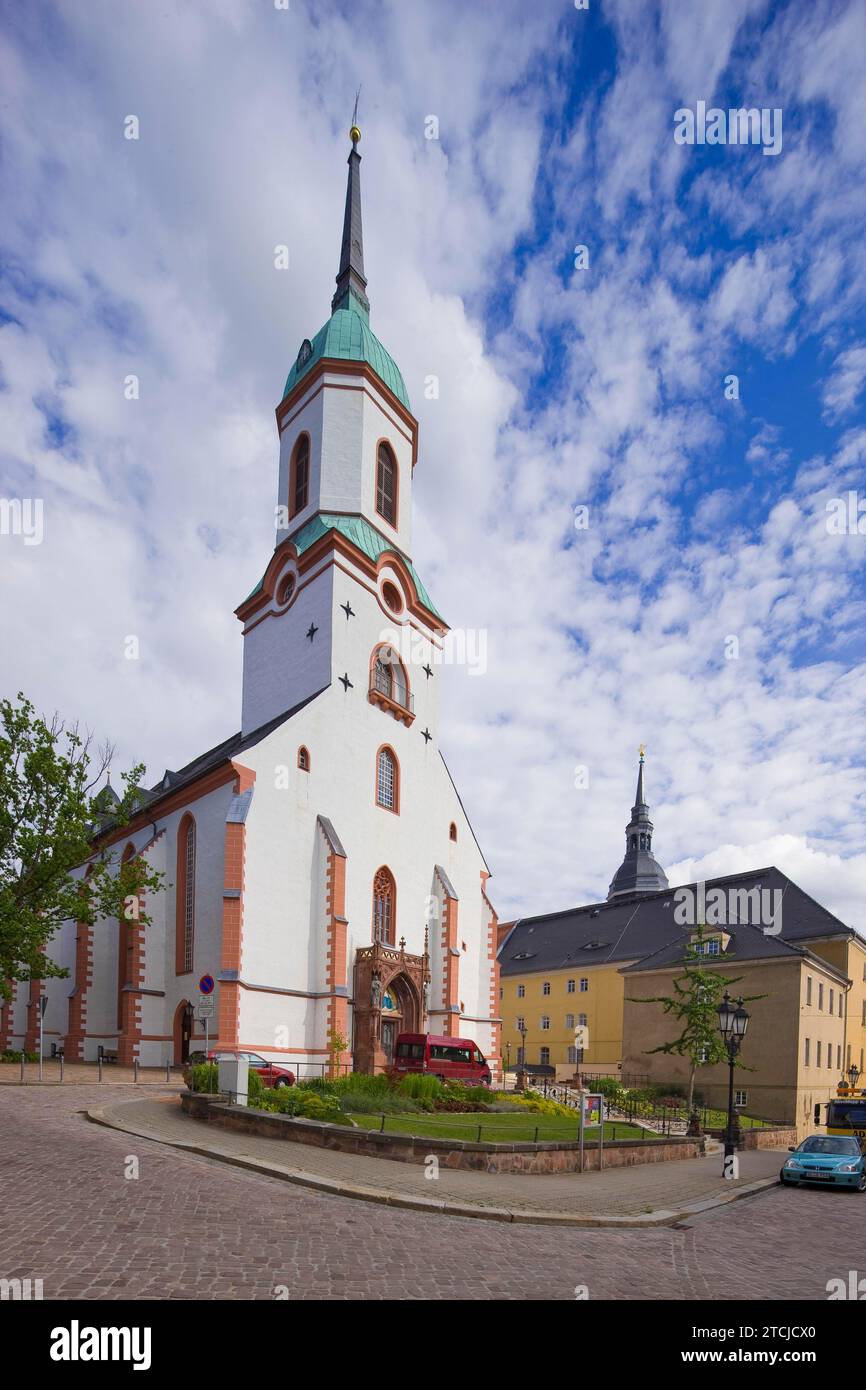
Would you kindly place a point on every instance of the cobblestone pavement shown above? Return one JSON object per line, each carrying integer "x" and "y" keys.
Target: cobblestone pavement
{"x": 190, "y": 1227}
{"x": 650, "y": 1189}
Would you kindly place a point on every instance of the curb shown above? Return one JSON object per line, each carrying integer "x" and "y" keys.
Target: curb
{"x": 382, "y": 1197}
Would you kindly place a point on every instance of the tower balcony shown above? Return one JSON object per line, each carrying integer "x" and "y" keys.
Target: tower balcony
{"x": 389, "y": 693}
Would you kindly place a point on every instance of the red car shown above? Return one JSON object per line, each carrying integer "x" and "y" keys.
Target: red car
{"x": 271, "y": 1075}
{"x": 450, "y": 1059}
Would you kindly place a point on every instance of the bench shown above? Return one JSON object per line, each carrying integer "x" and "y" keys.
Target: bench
{"x": 105, "y": 1054}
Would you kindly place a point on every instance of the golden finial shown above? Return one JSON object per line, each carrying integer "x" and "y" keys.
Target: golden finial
{"x": 642, "y": 750}
{"x": 355, "y": 132}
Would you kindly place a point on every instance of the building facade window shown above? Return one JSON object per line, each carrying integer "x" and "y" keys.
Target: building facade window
{"x": 452, "y": 831}
{"x": 299, "y": 479}
{"x": 741, "y": 1098}
{"x": 185, "y": 896}
{"x": 387, "y": 780}
{"x": 544, "y": 1055}
{"x": 570, "y": 987}
{"x": 818, "y": 1053}
{"x": 569, "y": 1020}
{"x": 830, "y": 1005}
{"x": 581, "y": 1019}
{"x": 820, "y": 996}
{"x": 386, "y": 484}
{"x": 545, "y": 1023}
{"x": 584, "y": 985}
{"x": 806, "y": 1050}
{"x": 521, "y": 1023}
{"x": 384, "y": 908}
{"x": 388, "y": 678}
{"x": 572, "y": 1054}
{"x": 545, "y": 988}
{"x": 808, "y": 989}
{"x": 521, "y": 991}
{"x": 303, "y": 759}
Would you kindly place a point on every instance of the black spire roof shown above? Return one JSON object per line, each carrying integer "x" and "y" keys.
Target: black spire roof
{"x": 351, "y": 281}
{"x": 639, "y": 871}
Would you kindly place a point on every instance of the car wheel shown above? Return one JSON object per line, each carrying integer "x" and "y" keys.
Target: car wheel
{"x": 861, "y": 1186}
{"x": 280, "y": 1081}
{"x": 783, "y": 1180}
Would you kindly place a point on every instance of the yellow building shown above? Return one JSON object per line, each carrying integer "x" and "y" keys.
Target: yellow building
{"x": 575, "y": 972}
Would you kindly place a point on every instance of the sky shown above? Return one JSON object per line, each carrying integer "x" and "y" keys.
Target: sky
{"x": 645, "y": 544}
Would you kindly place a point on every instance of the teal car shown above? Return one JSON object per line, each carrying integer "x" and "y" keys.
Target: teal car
{"x": 828, "y": 1160}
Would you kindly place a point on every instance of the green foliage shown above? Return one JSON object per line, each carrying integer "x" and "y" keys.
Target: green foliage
{"x": 610, "y": 1087}
{"x": 203, "y": 1076}
{"x": 49, "y": 816}
{"x": 300, "y": 1102}
{"x": 354, "y": 1082}
{"x": 421, "y": 1087}
{"x": 10, "y": 1055}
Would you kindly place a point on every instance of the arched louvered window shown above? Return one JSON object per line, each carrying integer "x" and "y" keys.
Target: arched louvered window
{"x": 185, "y": 896}
{"x": 384, "y": 907}
{"x": 386, "y": 484}
{"x": 299, "y": 481}
{"x": 387, "y": 780}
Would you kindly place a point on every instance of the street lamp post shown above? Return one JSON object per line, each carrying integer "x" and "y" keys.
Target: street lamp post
{"x": 733, "y": 1022}
{"x": 521, "y": 1069}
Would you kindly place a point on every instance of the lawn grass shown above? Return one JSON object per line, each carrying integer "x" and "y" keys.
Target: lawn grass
{"x": 496, "y": 1128}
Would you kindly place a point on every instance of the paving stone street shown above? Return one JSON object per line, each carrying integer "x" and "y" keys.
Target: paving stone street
{"x": 190, "y": 1227}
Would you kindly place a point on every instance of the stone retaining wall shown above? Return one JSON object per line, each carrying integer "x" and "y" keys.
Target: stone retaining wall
{"x": 561, "y": 1157}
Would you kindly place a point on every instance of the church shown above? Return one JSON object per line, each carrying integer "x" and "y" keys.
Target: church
{"x": 319, "y": 863}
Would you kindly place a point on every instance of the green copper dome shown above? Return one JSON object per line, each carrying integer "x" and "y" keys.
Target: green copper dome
{"x": 348, "y": 337}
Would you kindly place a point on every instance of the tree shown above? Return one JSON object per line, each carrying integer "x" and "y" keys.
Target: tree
{"x": 51, "y": 823}
{"x": 695, "y": 1003}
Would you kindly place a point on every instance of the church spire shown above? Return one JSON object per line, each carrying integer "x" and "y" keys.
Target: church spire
{"x": 639, "y": 871}
{"x": 351, "y": 281}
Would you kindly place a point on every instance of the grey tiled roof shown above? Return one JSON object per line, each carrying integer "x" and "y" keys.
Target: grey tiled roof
{"x": 633, "y": 929}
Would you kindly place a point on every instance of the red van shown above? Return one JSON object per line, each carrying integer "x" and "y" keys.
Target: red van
{"x": 450, "y": 1059}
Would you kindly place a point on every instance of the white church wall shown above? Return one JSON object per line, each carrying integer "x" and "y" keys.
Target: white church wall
{"x": 282, "y": 666}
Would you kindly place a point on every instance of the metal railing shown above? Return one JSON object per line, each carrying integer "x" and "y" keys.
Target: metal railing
{"x": 381, "y": 683}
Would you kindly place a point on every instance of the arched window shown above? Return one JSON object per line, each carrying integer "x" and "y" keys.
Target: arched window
{"x": 185, "y": 897}
{"x": 387, "y": 780}
{"x": 388, "y": 677}
{"x": 299, "y": 476}
{"x": 303, "y": 759}
{"x": 452, "y": 831}
{"x": 386, "y": 484}
{"x": 384, "y": 907}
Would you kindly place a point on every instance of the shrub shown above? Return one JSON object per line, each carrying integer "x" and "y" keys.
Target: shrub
{"x": 10, "y": 1055}
{"x": 203, "y": 1076}
{"x": 299, "y": 1102}
{"x": 421, "y": 1087}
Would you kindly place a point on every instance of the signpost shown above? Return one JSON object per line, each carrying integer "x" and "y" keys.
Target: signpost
{"x": 591, "y": 1113}
{"x": 205, "y": 1007}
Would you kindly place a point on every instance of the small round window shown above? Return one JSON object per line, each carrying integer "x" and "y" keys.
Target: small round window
{"x": 391, "y": 595}
{"x": 286, "y": 588}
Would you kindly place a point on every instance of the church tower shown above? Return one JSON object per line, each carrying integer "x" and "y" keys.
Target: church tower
{"x": 639, "y": 871}
{"x": 348, "y": 450}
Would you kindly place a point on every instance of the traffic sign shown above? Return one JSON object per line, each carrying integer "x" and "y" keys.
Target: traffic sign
{"x": 206, "y": 984}
{"x": 204, "y": 1009}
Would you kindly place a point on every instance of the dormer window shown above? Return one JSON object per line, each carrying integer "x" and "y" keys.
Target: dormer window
{"x": 386, "y": 484}
{"x": 299, "y": 479}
